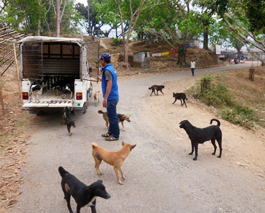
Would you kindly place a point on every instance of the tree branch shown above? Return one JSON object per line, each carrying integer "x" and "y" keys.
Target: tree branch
{"x": 243, "y": 37}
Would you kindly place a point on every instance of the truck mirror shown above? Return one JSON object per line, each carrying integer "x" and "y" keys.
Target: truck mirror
{"x": 90, "y": 70}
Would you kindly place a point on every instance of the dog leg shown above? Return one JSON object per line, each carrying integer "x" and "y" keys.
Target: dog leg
{"x": 37, "y": 97}
{"x": 185, "y": 103}
{"x": 162, "y": 92}
{"x": 93, "y": 207}
{"x": 117, "y": 175}
{"x": 192, "y": 149}
{"x": 122, "y": 174}
{"x": 97, "y": 164}
{"x": 67, "y": 198}
{"x": 78, "y": 209}
{"x": 213, "y": 143}
{"x": 220, "y": 147}
{"x": 196, "y": 151}
{"x": 181, "y": 102}
{"x": 69, "y": 130}
{"x": 122, "y": 126}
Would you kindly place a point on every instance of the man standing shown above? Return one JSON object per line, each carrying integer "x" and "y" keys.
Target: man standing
{"x": 110, "y": 96}
{"x": 192, "y": 66}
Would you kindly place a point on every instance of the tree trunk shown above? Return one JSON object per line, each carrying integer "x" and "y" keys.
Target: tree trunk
{"x": 206, "y": 39}
{"x": 58, "y": 18}
{"x": 39, "y": 20}
{"x": 126, "y": 42}
{"x": 182, "y": 57}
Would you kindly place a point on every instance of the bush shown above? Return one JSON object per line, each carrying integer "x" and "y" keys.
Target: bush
{"x": 240, "y": 115}
{"x": 116, "y": 41}
{"x": 217, "y": 95}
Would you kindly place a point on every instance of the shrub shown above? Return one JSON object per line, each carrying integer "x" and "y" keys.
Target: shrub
{"x": 116, "y": 41}
{"x": 240, "y": 115}
{"x": 217, "y": 95}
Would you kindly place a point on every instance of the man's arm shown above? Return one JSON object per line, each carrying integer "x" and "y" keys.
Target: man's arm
{"x": 108, "y": 89}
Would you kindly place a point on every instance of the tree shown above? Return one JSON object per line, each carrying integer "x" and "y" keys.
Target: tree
{"x": 245, "y": 20}
{"x": 136, "y": 8}
{"x": 178, "y": 27}
{"x": 89, "y": 14}
{"x": 22, "y": 15}
{"x": 215, "y": 7}
{"x": 59, "y": 8}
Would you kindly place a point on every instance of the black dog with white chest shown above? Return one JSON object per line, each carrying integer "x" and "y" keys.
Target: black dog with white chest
{"x": 198, "y": 135}
{"x": 83, "y": 194}
{"x": 68, "y": 121}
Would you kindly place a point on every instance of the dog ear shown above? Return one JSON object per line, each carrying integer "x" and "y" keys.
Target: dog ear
{"x": 122, "y": 143}
{"x": 133, "y": 146}
{"x": 100, "y": 181}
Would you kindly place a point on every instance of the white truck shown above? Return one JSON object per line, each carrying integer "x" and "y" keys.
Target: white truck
{"x": 53, "y": 62}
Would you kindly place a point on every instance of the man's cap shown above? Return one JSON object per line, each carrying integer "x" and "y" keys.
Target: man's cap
{"x": 104, "y": 56}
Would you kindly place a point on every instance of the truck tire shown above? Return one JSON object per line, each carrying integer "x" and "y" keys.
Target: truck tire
{"x": 84, "y": 108}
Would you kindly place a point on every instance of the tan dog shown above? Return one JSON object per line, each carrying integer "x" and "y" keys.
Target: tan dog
{"x": 115, "y": 159}
{"x": 121, "y": 118}
{"x": 96, "y": 97}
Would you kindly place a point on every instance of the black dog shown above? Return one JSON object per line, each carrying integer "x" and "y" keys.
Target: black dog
{"x": 198, "y": 135}
{"x": 82, "y": 193}
{"x": 68, "y": 121}
{"x": 157, "y": 88}
{"x": 180, "y": 96}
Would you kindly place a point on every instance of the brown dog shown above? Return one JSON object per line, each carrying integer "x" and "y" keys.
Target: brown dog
{"x": 115, "y": 159}
{"x": 156, "y": 88}
{"x": 96, "y": 97}
{"x": 121, "y": 118}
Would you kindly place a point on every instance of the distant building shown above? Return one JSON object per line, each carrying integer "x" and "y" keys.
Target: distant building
{"x": 141, "y": 59}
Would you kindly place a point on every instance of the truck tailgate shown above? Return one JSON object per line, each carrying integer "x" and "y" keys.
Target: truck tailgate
{"x": 50, "y": 103}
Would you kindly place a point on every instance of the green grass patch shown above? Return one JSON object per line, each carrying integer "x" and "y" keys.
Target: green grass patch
{"x": 213, "y": 92}
{"x": 116, "y": 41}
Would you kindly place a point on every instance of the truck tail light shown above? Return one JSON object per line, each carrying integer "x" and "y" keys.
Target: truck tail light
{"x": 79, "y": 96}
{"x": 25, "y": 95}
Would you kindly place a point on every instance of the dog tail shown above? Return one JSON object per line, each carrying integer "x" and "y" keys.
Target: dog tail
{"x": 94, "y": 144}
{"x": 218, "y": 122}
{"x": 100, "y": 111}
{"x": 62, "y": 171}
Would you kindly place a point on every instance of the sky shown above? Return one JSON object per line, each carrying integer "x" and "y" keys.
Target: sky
{"x": 81, "y": 1}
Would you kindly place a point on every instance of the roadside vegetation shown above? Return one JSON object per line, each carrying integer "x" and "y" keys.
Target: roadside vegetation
{"x": 234, "y": 96}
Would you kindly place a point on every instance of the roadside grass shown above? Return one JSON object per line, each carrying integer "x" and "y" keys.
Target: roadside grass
{"x": 238, "y": 99}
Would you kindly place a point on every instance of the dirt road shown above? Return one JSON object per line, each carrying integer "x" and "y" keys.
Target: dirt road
{"x": 160, "y": 175}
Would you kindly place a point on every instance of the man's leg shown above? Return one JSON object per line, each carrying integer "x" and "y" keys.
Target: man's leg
{"x": 114, "y": 129}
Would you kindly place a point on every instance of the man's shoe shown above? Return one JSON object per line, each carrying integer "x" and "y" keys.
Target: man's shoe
{"x": 105, "y": 135}
{"x": 111, "y": 138}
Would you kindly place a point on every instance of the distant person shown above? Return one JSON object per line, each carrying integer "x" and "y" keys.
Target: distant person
{"x": 110, "y": 96}
{"x": 192, "y": 66}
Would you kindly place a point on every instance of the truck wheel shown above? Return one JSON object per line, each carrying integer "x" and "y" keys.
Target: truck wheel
{"x": 84, "y": 108}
